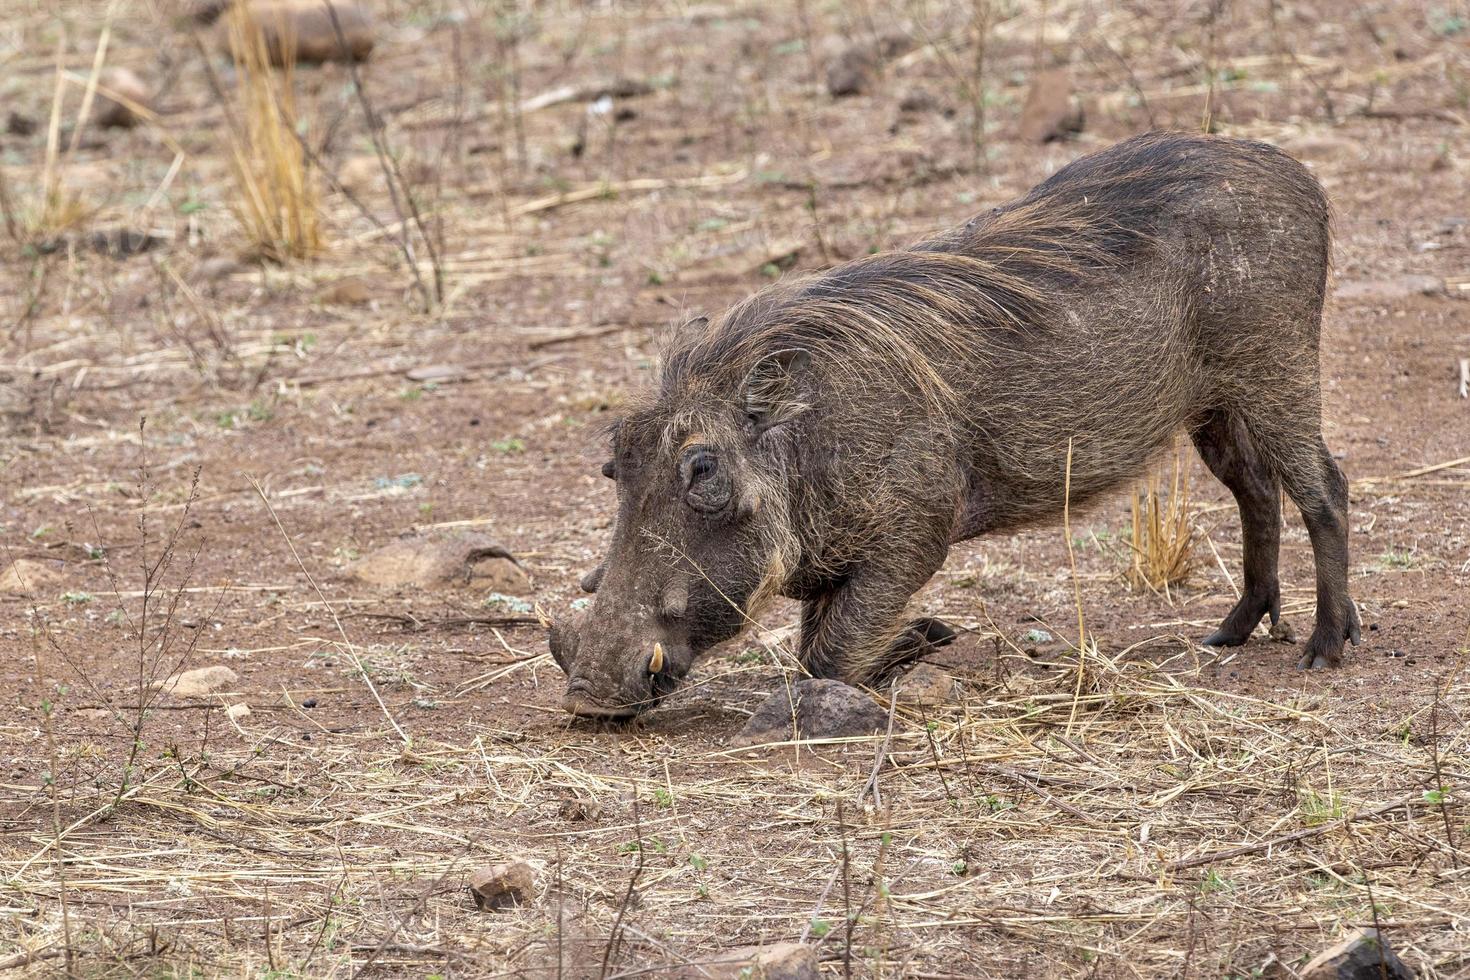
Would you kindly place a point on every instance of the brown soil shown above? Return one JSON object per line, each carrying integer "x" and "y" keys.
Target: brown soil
{"x": 1027, "y": 832}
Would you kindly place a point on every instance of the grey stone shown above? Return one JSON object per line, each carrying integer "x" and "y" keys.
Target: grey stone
{"x": 823, "y": 709}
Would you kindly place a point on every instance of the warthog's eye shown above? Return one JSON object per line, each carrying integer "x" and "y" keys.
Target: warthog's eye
{"x": 702, "y": 465}
{"x": 706, "y": 485}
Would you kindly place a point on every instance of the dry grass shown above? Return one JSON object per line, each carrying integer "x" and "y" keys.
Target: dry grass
{"x": 1164, "y": 534}
{"x": 59, "y": 209}
{"x": 1177, "y": 828}
{"x": 277, "y": 200}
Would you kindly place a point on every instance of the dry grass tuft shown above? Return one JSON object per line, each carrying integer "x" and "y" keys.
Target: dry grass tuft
{"x": 58, "y": 210}
{"x": 1164, "y": 534}
{"x": 277, "y": 202}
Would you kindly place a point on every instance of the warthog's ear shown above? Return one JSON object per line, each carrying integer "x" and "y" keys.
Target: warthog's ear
{"x": 775, "y": 389}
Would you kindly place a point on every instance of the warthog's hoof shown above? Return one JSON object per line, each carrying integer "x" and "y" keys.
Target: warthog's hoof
{"x": 1324, "y": 649}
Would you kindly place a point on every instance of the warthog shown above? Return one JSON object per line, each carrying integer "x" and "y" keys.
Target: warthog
{"x": 828, "y": 439}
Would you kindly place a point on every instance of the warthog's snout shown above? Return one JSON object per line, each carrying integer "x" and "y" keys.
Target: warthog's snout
{"x": 607, "y": 677}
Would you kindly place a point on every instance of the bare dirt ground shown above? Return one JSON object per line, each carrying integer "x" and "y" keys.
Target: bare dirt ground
{"x": 1157, "y": 809}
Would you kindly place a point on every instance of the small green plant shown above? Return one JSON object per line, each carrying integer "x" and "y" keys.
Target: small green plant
{"x": 1212, "y": 882}
{"x": 509, "y": 447}
{"x": 1318, "y": 808}
{"x": 76, "y": 598}
{"x": 663, "y": 798}
{"x": 1396, "y": 559}
{"x": 820, "y": 928}
{"x": 499, "y": 600}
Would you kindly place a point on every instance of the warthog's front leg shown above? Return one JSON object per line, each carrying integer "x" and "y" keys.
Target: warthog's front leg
{"x": 857, "y": 632}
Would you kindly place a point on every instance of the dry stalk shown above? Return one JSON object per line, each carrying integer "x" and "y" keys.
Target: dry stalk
{"x": 400, "y": 193}
{"x": 277, "y": 203}
{"x": 1164, "y": 533}
{"x": 53, "y": 755}
{"x": 60, "y": 210}
{"x": 615, "y": 937}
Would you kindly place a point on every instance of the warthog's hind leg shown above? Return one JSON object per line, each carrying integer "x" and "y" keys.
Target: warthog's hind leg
{"x": 1226, "y": 447}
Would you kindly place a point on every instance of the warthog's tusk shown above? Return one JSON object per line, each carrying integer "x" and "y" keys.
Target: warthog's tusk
{"x": 656, "y": 662}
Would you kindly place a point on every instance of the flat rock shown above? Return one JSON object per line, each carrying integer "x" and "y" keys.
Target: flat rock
{"x": 351, "y": 291}
{"x": 27, "y": 577}
{"x": 301, "y": 31}
{"x": 823, "y": 709}
{"x": 457, "y": 560}
{"x": 1322, "y": 146}
{"x": 503, "y": 886}
{"x": 115, "y": 113}
{"x": 1362, "y": 956}
{"x": 782, "y": 961}
{"x": 363, "y": 174}
{"x": 437, "y": 373}
{"x": 217, "y": 267}
{"x": 1388, "y": 290}
{"x": 926, "y": 684}
{"x": 1051, "y": 111}
{"x": 200, "y": 681}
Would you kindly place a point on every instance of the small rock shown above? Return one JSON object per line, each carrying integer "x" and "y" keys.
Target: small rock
{"x": 237, "y": 711}
{"x": 363, "y": 174}
{"x": 503, "y": 886}
{"x": 783, "y": 961}
{"x": 1037, "y": 637}
{"x": 217, "y": 268}
{"x": 579, "y": 810}
{"x": 1362, "y": 956}
{"x": 918, "y": 100}
{"x": 27, "y": 577}
{"x": 120, "y": 243}
{"x": 200, "y": 681}
{"x": 1051, "y": 111}
{"x": 853, "y": 71}
{"x": 1388, "y": 290}
{"x": 19, "y": 124}
{"x": 114, "y": 113}
{"x": 926, "y": 684}
{"x": 824, "y": 709}
{"x": 302, "y": 31}
{"x": 352, "y": 291}
{"x": 457, "y": 560}
{"x": 1322, "y": 146}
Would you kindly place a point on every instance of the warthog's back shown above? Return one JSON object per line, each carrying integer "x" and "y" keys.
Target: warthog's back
{"x": 1132, "y": 291}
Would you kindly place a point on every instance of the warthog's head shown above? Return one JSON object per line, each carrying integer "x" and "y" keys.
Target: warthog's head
{"x": 702, "y": 534}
